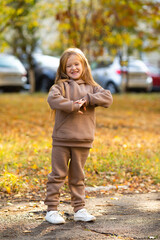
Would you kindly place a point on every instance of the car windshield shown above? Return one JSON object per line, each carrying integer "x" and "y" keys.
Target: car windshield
{"x": 137, "y": 65}
{"x": 101, "y": 64}
{"x": 10, "y": 62}
{"x": 154, "y": 70}
{"x": 46, "y": 60}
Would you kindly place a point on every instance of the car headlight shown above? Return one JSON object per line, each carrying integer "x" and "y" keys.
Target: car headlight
{"x": 149, "y": 80}
{"x": 24, "y": 79}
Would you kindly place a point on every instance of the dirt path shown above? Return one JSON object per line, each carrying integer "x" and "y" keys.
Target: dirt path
{"x": 118, "y": 217}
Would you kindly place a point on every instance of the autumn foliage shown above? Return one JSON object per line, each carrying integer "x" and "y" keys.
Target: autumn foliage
{"x": 126, "y": 148}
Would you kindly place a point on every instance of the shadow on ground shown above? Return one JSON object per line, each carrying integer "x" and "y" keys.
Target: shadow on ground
{"x": 118, "y": 217}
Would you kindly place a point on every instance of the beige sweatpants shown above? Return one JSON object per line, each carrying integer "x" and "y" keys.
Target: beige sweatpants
{"x": 60, "y": 168}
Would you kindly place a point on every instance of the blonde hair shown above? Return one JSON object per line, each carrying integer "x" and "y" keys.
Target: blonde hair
{"x": 61, "y": 75}
{"x": 86, "y": 76}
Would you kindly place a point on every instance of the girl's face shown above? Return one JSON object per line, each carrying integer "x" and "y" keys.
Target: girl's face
{"x": 74, "y": 67}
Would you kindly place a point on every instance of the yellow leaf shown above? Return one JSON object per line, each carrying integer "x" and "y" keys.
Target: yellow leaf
{"x": 87, "y": 196}
{"x": 20, "y": 11}
{"x": 117, "y": 139}
{"x": 8, "y": 189}
{"x": 34, "y": 166}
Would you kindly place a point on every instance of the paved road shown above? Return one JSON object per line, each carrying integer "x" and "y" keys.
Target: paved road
{"x": 118, "y": 217}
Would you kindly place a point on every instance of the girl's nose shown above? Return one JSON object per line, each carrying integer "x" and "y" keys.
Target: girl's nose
{"x": 73, "y": 67}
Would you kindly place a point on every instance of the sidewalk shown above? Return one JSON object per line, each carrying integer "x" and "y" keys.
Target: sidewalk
{"x": 119, "y": 217}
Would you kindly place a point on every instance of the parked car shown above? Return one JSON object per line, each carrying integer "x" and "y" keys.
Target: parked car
{"x": 12, "y": 73}
{"x": 118, "y": 77}
{"x": 45, "y": 68}
{"x": 154, "y": 72}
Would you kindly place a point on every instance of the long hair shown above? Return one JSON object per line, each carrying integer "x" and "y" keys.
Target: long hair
{"x": 61, "y": 75}
{"x": 86, "y": 76}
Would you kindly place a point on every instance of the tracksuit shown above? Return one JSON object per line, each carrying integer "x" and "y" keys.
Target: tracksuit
{"x": 73, "y": 135}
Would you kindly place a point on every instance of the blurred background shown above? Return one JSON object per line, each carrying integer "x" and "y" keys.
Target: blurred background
{"x": 120, "y": 39}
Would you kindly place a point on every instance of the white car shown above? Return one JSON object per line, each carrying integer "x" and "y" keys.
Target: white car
{"x": 119, "y": 78}
{"x": 12, "y": 73}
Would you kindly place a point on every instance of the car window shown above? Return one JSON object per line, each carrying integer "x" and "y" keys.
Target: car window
{"x": 46, "y": 60}
{"x": 154, "y": 70}
{"x": 10, "y": 62}
{"x": 101, "y": 64}
{"x": 134, "y": 67}
{"x": 137, "y": 65}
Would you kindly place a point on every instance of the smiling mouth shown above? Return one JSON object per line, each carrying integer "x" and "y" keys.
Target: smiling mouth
{"x": 74, "y": 72}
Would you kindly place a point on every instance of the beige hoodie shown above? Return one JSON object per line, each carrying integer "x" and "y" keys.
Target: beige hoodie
{"x": 72, "y": 128}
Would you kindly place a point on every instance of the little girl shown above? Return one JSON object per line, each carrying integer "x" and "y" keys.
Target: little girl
{"x": 74, "y": 96}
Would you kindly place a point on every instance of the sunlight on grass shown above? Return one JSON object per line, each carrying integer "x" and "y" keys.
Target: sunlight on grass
{"x": 126, "y": 145}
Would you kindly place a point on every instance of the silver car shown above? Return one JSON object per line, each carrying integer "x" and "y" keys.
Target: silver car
{"x": 12, "y": 73}
{"x": 119, "y": 77}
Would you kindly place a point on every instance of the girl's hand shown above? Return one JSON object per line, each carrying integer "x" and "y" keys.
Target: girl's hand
{"x": 82, "y": 104}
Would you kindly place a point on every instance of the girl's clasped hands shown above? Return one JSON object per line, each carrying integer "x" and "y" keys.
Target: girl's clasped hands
{"x": 82, "y": 104}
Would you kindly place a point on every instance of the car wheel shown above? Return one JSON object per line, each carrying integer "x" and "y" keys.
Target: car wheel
{"x": 149, "y": 89}
{"x": 111, "y": 87}
{"x": 12, "y": 89}
{"x": 44, "y": 84}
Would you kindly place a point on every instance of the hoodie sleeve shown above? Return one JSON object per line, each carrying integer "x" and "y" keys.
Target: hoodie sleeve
{"x": 57, "y": 102}
{"x": 99, "y": 97}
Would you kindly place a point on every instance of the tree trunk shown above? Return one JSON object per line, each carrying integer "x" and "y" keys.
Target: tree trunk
{"x": 32, "y": 80}
{"x": 126, "y": 54}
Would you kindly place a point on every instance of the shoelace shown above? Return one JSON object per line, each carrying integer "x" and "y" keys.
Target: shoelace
{"x": 56, "y": 214}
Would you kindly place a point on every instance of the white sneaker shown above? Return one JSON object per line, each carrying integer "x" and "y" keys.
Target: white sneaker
{"x": 54, "y": 217}
{"x": 83, "y": 215}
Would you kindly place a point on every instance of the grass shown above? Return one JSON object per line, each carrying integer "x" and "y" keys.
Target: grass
{"x": 126, "y": 147}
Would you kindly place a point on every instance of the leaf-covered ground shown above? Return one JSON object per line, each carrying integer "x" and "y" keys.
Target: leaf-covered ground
{"x": 126, "y": 149}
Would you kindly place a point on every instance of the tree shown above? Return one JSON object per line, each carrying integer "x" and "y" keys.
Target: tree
{"x": 114, "y": 25}
{"x": 99, "y": 26}
{"x": 19, "y": 29}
